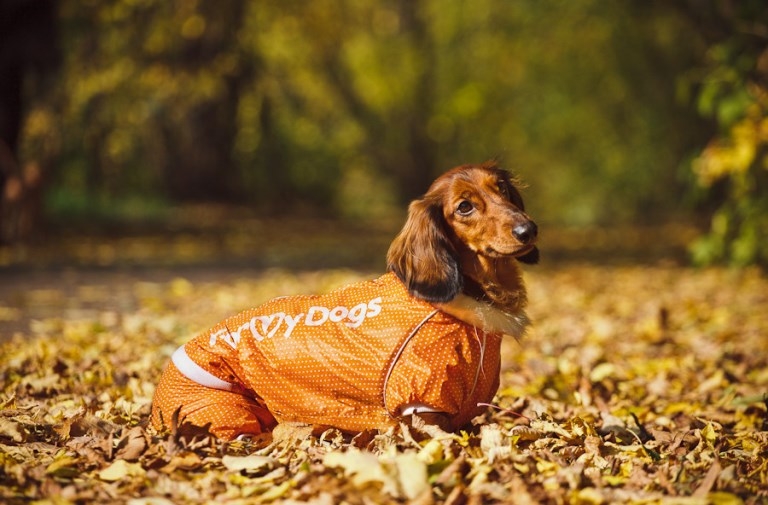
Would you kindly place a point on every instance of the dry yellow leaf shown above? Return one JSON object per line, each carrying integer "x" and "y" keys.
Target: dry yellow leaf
{"x": 119, "y": 470}
{"x": 250, "y": 464}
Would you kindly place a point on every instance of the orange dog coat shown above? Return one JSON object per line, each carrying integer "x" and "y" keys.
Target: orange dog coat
{"x": 356, "y": 358}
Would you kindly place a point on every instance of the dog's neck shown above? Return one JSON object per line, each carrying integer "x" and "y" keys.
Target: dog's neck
{"x": 497, "y": 281}
{"x": 494, "y": 296}
{"x": 486, "y": 316}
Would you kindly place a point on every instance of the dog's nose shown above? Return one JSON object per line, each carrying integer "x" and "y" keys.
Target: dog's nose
{"x": 526, "y": 232}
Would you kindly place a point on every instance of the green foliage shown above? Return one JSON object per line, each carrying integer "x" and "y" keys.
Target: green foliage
{"x": 735, "y": 164}
{"x": 353, "y": 107}
{"x": 123, "y": 208}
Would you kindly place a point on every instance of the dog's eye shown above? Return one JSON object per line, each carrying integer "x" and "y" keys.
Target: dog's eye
{"x": 465, "y": 208}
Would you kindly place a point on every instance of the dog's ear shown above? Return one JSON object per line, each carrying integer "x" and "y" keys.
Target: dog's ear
{"x": 530, "y": 258}
{"x": 423, "y": 257}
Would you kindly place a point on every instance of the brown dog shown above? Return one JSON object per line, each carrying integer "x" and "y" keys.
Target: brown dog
{"x": 422, "y": 339}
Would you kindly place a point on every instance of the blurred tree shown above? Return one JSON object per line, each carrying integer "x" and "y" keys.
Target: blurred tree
{"x": 154, "y": 89}
{"x": 28, "y": 49}
{"x": 733, "y": 90}
{"x": 356, "y": 76}
{"x": 351, "y": 107}
{"x": 200, "y": 154}
{"x": 589, "y": 117}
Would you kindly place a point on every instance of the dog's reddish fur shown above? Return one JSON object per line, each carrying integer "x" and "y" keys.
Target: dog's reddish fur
{"x": 460, "y": 239}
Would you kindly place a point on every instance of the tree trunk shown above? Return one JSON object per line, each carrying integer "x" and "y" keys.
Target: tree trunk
{"x": 201, "y": 165}
{"x": 28, "y": 44}
{"x": 415, "y": 175}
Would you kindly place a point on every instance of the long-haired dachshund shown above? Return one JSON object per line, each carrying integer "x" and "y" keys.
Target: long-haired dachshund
{"x": 422, "y": 339}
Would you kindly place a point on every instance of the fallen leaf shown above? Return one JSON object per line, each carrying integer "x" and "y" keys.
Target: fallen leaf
{"x": 121, "y": 469}
{"x": 64, "y": 466}
{"x": 149, "y": 501}
{"x": 12, "y": 430}
{"x": 275, "y": 492}
{"x": 602, "y": 371}
{"x": 411, "y": 474}
{"x": 401, "y": 475}
{"x": 183, "y": 461}
{"x": 494, "y": 444}
{"x": 432, "y": 452}
{"x": 709, "y": 480}
{"x": 587, "y": 496}
{"x": 132, "y": 445}
{"x": 250, "y": 464}
{"x": 363, "y": 468}
{"x": 291, "y": 432}
{"x": 723, "y": 498}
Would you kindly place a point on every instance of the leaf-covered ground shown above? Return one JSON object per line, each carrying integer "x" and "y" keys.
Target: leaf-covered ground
{"x": 635, "y": 385}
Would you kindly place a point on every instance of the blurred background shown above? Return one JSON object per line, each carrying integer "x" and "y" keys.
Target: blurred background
{"x": 183, "y": 130}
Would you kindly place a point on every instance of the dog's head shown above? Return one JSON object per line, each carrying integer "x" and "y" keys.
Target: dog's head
{"x": 470, "y": 211}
